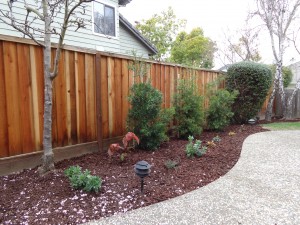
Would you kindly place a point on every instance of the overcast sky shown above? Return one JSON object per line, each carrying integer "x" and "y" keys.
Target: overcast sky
{"x": 214, "y": 16}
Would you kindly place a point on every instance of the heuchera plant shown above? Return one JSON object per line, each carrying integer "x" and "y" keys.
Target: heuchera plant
{"x": 128, "y": 142}
{"x": 194, "y": 148}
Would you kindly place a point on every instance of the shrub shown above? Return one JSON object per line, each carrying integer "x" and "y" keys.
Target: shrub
{"x": 189, "y": 112}
{"x": 252, "y": 81}
{"x": 146, "y": 118}
{"x": 194, "y": 148}
{"x": 287, "y": 75}
{"x": 219, "y": 113}
{"x": 83, "y": 180}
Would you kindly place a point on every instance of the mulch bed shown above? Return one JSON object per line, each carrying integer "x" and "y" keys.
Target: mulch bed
{"x": 27, "y": 198}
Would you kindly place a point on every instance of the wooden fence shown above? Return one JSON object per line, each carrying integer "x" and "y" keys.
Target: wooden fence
{"x": 89, "y": 95}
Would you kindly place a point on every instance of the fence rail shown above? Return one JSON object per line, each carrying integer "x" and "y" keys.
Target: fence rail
{"x": 89, "y": 95}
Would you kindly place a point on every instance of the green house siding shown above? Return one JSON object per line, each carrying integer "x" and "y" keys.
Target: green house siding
{"x": 129, "y": 43}
{"x": 124, "y": 42}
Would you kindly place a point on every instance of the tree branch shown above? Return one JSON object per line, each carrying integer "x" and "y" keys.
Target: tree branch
{"x": 35, "y": 11}
{"x": 67, "y": 15}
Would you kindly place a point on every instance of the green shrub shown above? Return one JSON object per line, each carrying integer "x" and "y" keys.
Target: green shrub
{"x": 287, "y": 75}
{"x": 189, "y": 112}
{"x": 83, "y": 180}
{"x": 220, "y": 112}
{"x": 252, "y": 81}
{"x": 146, "y": 118}
{"x": 194, "y": 148}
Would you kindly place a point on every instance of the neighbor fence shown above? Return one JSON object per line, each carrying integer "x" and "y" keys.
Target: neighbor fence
{"x": 89, "y": 97}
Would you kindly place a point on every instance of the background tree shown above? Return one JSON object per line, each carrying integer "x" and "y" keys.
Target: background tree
{"x": 245, "y": 48}
{"x": 46, "y": 12}
{"x": 287, "y": 74}
{"x": 193, "y": 49}
{"x": 294, "y": 39}
{"x": 277, "y": 16}
{"x": 161, "y": 31}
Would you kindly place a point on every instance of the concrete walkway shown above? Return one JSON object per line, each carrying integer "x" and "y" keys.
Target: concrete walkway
{"x": 262, "y": 188}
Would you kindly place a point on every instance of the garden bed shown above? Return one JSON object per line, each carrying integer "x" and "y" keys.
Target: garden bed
{"x": 27, "y": 198}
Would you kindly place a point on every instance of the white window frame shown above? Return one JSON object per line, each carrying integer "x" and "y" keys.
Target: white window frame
{"x": 93, "y": 25}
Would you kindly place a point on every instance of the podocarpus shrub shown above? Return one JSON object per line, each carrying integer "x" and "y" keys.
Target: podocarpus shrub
{"x": 189, "y": 112}
{"x": 252, "y": 81}
{"x": 146, "y": 118}
{"x": 219, "y": 112}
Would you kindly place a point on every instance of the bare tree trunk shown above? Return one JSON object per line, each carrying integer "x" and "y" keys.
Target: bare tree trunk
{"x": 277, "y": 87}
{"x": 48, "y": 157}
{"x": 289, "y": 107}
{"x": 269, "y": 111}
{"x": 281, "y": 91}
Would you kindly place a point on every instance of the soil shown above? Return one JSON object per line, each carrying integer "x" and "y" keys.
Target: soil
{"x": 27, "y": 198}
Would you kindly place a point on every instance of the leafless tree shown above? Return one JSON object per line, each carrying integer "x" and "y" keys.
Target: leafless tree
{"x": 46, "y": 12}
{"x": 277, "y": 16}
{"x": 294, "y": 39}
{"x": 243, "y": 49}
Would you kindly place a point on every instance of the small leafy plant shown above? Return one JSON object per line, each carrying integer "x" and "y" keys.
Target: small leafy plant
{"x": 129, "y": 142}
{"x": 171, "y": 164}
{"x": 122, "y": 157}
{"x": 195, "y": 148}
{"x": 211, "y": 144}
{"x": 83, "y": 180}
{"x": 231, "y": 133}
{"x": 216, "y": 139}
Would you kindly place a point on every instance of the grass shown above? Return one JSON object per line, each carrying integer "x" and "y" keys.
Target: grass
{"x": 283, "y": 126}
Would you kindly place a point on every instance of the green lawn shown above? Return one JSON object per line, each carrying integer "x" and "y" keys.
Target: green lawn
{"x": 282, "y": 126}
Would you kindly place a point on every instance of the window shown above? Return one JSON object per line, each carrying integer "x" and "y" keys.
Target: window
{"x": 104, "y": 19}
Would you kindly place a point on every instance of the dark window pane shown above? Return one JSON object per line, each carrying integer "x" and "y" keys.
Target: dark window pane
{"x": 104, "y": 19}
{"x": 110, "y": 20}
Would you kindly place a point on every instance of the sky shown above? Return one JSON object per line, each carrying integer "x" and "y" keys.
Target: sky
{"x": 215, "y": 17}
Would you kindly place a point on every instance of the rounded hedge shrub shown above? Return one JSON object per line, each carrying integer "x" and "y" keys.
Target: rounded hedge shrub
{"x": 252, "y": 81}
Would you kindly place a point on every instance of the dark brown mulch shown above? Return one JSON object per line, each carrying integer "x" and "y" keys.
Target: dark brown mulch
{"x": 27, "y": 198}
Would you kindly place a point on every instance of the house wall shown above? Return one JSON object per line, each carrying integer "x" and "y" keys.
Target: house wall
{"x": 123, "y": 43}
{"x": 296, "y": 72}
{"x": 128, "y": 43}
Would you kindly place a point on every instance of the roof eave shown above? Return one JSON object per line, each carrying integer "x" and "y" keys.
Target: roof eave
{"x": 138, "y": 35}
{"x": 124, "y": 2}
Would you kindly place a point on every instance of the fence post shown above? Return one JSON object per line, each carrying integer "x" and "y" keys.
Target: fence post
{"x": 98, "y": 102}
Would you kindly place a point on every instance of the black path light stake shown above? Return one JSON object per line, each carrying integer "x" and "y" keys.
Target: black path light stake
{"x": 142, "y": 169}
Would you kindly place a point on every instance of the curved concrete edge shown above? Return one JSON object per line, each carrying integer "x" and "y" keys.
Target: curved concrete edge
{"x": 262, "y": 188}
